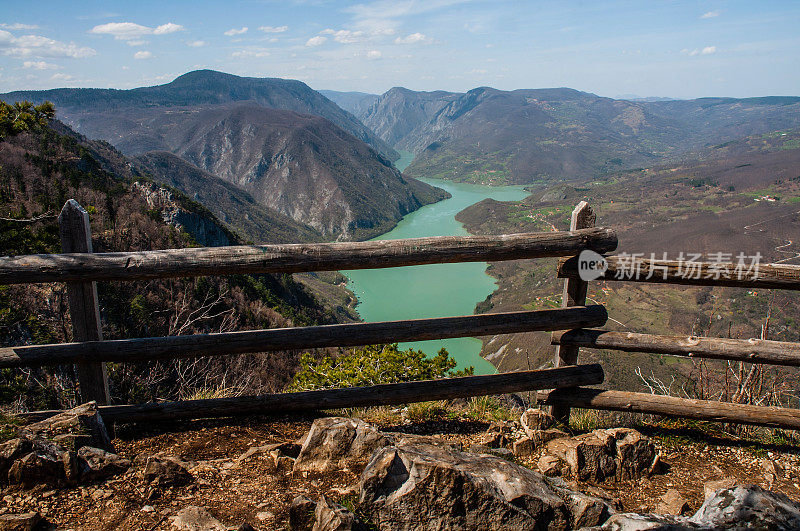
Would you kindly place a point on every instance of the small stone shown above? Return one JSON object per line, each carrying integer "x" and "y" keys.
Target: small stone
{"x": 333, "y": 517}
{"x": 549, "y": 465}
{"x": 535, "y": 420}
{"x": 148, "y": 509}
{"x": 523, "y": 447}
{"x": 772, "y": 469}
{"x": 196, "y": 519}
{"x": 20, "y": 522}
{"x": 301, "y": 514}
{"x": 168, "y": 472}
{"x": 672, "y": 503}
{"x": 711, "y": 487}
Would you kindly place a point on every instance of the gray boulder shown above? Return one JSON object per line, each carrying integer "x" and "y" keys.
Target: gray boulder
{"x": 749, "y": 507}
{"x": 740, "y": 508}
{"x": 79, "y": 426}
{"x": 422, "y": 486}
{"x": 101, "y": 464}
{"x": 337, "y": 443}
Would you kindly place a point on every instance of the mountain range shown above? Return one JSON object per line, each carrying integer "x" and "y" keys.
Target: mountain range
{"x": 524, "y": 136}
{"x": 295, "y": 155}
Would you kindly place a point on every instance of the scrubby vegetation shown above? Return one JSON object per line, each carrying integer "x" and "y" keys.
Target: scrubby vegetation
{"x": 42, "y": 168}
{"x": 373, "y": 365}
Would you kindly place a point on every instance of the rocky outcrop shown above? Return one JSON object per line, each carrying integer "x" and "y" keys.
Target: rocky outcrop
{"x": 201, "y": 227}
{"x": 422, "y": 486}
{"x": 734, "y": 509}
{"x": 74, "y": 428}
{"x": 619, "y": 453}
{"x": 66, "y": 449}
{"x": 336, "y": 443}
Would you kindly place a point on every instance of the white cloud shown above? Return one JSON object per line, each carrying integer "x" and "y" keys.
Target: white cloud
{"x": 19, "y": 26}
{"x": 136, "y": 43}
{"x": 316, "y": 41}
{"x": 710, "y": 14}
{"x": 62, "y": 77}
{"x": 169, "y": 27}
{"x": 196, "y": 44}
{"x": 414, "y": 38}
{"x": 705, "y": 51}
{"x": 129, "y": 30}
{"x": 273, "y": 29}
{"x": 374, "y": 54}
{"x": 233, "y": 31}
{"x": 477, "y": 71}
{"x": 345, "y": 36}
{"x": 40, "y": 46}
{"x": 251, "y": 52}
{"x": 143, "y": 54}
{"x": 40, "y": 65}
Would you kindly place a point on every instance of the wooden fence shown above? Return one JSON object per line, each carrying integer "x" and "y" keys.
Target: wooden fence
{"x": 572, "y": 323}
{"x": 638, "y": 269}
{"x": 81, "y": 269}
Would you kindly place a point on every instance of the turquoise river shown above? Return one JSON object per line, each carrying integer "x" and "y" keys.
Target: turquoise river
{"x": 437, "y": 290}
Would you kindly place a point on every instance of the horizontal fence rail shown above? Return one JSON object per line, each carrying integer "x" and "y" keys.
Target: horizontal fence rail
{"x": 709, "y": 410}
{"x": 377, "y": 395}
{"x": 749, "y": 350}
{"x": 295, "y": 258}
{"x": 767, "y": 276}
{"x": 339, "y": 335}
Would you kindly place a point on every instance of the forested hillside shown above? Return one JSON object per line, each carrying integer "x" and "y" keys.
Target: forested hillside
{"x": 129, "y": 211}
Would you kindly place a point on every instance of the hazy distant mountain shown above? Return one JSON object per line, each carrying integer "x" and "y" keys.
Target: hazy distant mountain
{"x": 519, "y": 136}
{"x": 103, "y": 113}
{"x": 230, "y": 204}
{"x": 399, "y": 111}
{"x": 353, "y": 102}
{"x": 636, "y": 97}
{"x": 302, "y": 166}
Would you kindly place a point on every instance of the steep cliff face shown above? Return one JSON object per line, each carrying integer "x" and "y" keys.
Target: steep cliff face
{"x": 301, "y": 166}
{"x": 396, "y": 114}
{"x": 232, "y": 205}
{"x": 206, "y": 231}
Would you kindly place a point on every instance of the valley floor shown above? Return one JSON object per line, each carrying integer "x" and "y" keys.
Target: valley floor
{"x": 236, "y": 487}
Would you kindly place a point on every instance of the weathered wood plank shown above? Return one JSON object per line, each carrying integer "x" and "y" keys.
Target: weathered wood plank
{"x": 377, "y": 395}
{"x": 296, "y": 258}
{"x": 76, "y": 237}
{"x": 773, "y": 417}
{"x": 768, "y": 276}
{"x": 574, "y": 294}
{"x": 340, "y": 335}
{"x": 749, "y": 350}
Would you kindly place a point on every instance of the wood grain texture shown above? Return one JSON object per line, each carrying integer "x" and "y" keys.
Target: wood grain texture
{"x": 574, "y": 294}
{"x": 295, "y": 258}
{"x": 340, "y": 335}
{"x": 769, "y": 276}
{"x": 774, "y": 417}
{"x": 76, "y": 237}
{"x": 749, "y": 350}
{"x": 377, "y": 395}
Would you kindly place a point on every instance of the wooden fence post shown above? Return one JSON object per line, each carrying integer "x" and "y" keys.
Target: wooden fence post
{"x": 76, "y": 237}
{"x": 574, "y": 295}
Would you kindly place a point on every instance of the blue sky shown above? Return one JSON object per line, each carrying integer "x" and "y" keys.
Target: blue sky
{"x": 645, "y": 47}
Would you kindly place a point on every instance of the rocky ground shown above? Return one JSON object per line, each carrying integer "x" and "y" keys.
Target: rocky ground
{"x": 222, "y": 474}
